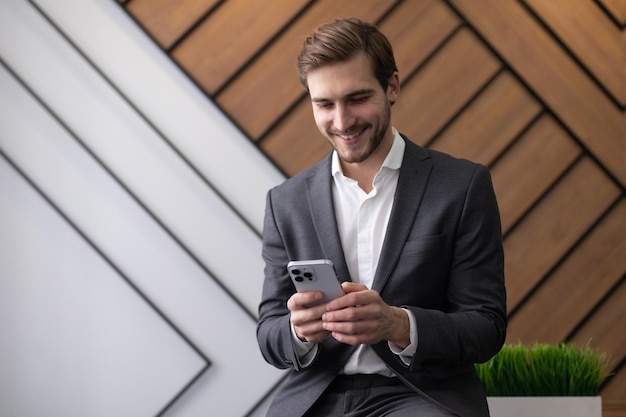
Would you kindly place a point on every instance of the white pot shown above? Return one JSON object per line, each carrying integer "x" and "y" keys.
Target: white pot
{"x": 545, "y": 406}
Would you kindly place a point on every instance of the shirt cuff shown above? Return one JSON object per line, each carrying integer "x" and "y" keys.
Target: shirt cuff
{"x": 305, "y": 351}
{"x": 406, "y": 354}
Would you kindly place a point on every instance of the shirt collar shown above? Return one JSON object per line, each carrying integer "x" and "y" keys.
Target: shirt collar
{"x": 393, "y": 160}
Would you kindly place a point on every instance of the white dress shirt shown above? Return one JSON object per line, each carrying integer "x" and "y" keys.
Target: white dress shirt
{"x": 362, "y": 220}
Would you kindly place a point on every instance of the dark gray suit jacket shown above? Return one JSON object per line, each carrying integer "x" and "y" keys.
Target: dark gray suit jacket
{"x": 442, "y": 258}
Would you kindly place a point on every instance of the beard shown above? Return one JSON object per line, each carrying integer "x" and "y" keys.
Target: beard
{"x": 380, "y": 129}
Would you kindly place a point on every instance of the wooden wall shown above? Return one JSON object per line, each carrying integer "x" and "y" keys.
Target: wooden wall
{"x": 535, "y": 90}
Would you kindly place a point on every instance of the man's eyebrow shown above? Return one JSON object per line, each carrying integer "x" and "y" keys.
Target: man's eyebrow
{"x": 363, "y": 91}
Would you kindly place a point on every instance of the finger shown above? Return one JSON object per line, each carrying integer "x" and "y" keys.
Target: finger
{"x": 355, "y": 339}
{"x": 357, "y": 298}
{"x": 346, "y": 314}
{"x": 348, "y": 287}
{"x": 315, "y": 337}
{"x": 301, "y": 300}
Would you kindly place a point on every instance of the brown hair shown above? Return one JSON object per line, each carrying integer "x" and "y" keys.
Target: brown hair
{"x": 341, "y": 40}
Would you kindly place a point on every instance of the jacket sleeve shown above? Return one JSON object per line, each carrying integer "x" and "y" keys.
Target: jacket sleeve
{"x": 274, "y": 328}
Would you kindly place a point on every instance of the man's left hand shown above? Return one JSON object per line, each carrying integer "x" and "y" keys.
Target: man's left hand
{"x": 362, "y": 317}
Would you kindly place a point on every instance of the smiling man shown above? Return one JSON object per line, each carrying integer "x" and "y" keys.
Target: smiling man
{"x": 414, "y": 236}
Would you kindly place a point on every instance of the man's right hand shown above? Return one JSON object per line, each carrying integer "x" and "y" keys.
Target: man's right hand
{"x": 307, "y": 321}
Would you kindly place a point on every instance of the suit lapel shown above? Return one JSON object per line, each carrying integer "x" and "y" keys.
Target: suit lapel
{"x": 319, "y": 193}
{"x": 412, "y": 181}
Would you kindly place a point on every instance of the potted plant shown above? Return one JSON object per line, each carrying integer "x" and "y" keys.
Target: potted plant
{"x": 544, "y": 380}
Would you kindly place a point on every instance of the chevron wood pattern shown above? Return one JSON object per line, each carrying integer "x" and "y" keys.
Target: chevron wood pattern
{"x": 535, "y": 90}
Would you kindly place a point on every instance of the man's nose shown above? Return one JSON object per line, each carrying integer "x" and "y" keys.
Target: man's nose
{"x": 343, "y": 118}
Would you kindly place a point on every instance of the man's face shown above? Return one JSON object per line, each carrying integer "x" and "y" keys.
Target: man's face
{"x": 352, "y": 110}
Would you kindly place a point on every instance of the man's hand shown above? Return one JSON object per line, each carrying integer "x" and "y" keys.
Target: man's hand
{"x": 362, "y": 317}
{"x": 307, "y": 321}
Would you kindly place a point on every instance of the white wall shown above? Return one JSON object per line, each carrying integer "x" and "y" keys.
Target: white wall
{"x": 130, "y": 220}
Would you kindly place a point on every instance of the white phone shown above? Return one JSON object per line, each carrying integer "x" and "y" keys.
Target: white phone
{"x": 315, "y": 275}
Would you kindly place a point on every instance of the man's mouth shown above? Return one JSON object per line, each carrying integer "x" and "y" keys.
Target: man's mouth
{"x": 350, "y": 135}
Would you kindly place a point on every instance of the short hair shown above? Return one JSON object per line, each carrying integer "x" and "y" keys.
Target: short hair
{"x": 343, "y": 39}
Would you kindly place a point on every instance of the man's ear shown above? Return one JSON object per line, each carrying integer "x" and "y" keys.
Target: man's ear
{"x": 393, "y": 87}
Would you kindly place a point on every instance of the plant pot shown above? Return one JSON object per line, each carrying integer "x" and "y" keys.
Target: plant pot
{"x": 545, "y": 406}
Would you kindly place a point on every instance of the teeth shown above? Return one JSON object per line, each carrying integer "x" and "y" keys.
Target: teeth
{"x": 352, "y": 135}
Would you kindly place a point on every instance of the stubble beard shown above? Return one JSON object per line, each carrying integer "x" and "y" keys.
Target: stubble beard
{"x": 373, "y": 142}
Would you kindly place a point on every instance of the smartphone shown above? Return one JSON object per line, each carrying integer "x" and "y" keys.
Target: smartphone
{"x": 315, "y": 275}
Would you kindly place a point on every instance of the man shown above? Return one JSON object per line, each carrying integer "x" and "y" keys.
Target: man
{"x": 415, "y": 236}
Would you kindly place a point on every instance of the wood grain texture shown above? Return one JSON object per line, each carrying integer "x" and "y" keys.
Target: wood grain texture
{"x": 554, "y": 226}
{"x": 554, "y": 76}
{"x": 530, "y": 167}
{"x": 443, "y": 86}
{"x": 168, "y": 20}
{"x": 232, "y": 36}
{"x": 616, "y": 9}
{"x": 576, "y": 287}
{"x": 589, "y": 35}
{"x": 491, "y": 122}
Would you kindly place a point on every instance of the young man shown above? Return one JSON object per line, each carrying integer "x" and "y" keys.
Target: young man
{"x": 415, "y": 236}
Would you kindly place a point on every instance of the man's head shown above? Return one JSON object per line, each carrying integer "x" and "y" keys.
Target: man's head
{"x": 343, "y": 39}
{"x": 349, "y": 71}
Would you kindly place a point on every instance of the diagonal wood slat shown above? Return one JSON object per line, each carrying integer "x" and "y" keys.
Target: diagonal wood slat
{"x": 588, "y": 32}
{"x": 168, "y": 20}
{"x": 531, "y": 166}
{"x": 553, "y": 75}
{"x": 443, "y": 86}
{"x": 617, "y": 9}
{"x": 552, "y": 228}
{"x": 601, "y": 327}
{"x": 580, "y": 284}
{"x": 491, "y": 122}
{"x": 230, "y": 37}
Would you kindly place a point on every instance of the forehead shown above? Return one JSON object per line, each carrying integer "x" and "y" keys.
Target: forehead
{"x": 337, "y": 80}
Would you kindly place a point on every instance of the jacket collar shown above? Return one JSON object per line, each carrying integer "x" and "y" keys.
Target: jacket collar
{"x": 414, "y": 173}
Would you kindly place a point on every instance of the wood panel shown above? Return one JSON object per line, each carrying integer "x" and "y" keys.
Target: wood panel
{"x": 491, "y": 122}
{"x": 553, "y": 75}
{"x": 613, "y": 395}
{"x": 230, "y": 37}
{"x": 168, "y": 20}
{"x": 589, "y": 34}
{"x": 416, "y": 30}
{"x": 600, "y": 331}
{"x": 443, "y": 86}
{"x": 530, "y": 167}
{"x": 579, "y": 284}
{"x": 554, "y": 226}
{"x": 533, "y": 89}
{"x": 616, "y": 9}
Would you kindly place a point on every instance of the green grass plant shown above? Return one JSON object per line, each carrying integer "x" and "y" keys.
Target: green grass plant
{"x": 544, "y": 370}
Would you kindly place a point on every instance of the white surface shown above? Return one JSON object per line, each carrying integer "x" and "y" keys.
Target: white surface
{"x": 66, "y": 313}
{"x": 545, "y": 406}
{"x": 76, "y": 338}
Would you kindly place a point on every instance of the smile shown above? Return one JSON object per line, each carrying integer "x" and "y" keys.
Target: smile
{"x": 351, "y": 135}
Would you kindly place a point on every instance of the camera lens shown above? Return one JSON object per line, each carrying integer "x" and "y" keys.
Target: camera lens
{"x": 295, "y": 271}
{"x": 299, "y": 278}
{"x": 308, "y": 275}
